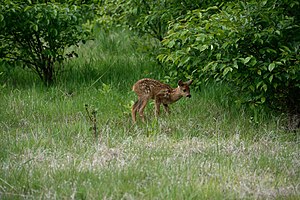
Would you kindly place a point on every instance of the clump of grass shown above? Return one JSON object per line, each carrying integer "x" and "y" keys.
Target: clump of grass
{"x": 208, "y": 148}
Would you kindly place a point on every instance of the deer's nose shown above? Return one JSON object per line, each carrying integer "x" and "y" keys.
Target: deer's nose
{"x": 189, "y": 96}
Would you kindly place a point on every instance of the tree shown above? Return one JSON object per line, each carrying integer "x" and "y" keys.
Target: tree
{"x": 36, "y": 35}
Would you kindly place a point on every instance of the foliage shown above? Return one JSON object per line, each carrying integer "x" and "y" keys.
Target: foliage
{"x": 146, "y": 17}
{"x": 254, "y": 45}
{"x": 37, "y": 35}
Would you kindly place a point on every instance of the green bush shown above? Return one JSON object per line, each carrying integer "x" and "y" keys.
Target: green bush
{"x": 253, "y": 45}
{"x": 36, "y": 35}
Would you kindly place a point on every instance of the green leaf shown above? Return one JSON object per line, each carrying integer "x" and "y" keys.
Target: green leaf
{"x": 271, "y": 66}
{"x": 201, "y": 37}
{"x": 271, "y": 78}
{"x": 285, "y": 49}
{"x": 235, "y": 65}
{"x": 185, "y": 60}
{"x": 35, "y": 27}
{"x": 269, "y": 50}
{"x": 224, "y": 45}
{"x": 259, "y": 72}
{"x": 265, "y": 87}
{"x": 27, "y": 8}
{"x": 253, "y": 61}
{"x": 203, "y": 48}
{"x": 247, "y": 60}
{"x": 226, "y": 70}
{"x": 207, "y": 26}
{"x": 264, "y": 3}
{"x": 259, "y": 84}
{"x": 171, "y": 43}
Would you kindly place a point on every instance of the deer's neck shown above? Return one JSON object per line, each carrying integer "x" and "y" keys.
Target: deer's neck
{"x": 175, "y": 95}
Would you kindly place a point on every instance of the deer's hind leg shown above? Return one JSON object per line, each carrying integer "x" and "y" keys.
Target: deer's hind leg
{"x": 134, "y": 109}
{"x": 141, "y": 107}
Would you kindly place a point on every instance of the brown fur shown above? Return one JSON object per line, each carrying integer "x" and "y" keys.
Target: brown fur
{"x": 161, "y": 93}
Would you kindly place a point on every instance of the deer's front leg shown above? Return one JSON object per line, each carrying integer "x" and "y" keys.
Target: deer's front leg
{"x": 157, "y": 107}
{"x": 166, "y": 108}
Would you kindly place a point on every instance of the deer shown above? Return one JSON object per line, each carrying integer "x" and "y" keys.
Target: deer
{"x": 149, "y": 89}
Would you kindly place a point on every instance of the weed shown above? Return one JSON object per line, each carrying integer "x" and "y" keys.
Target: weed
{"x": 93, "y": 118}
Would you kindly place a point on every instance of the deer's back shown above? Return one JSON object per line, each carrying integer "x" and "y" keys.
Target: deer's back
{"x": 149, "y": 87}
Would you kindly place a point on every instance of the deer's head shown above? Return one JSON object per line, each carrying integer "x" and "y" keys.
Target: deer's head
{"x": 184, "y": 88}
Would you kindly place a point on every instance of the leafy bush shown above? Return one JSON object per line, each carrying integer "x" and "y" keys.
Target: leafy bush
{"x": 37, "y": 34}
{"x": 253, "y": 45}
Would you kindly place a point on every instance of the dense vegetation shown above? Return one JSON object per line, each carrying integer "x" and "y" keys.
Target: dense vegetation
{"x": 70, "y": 136}
{"x": 253, "y": 45}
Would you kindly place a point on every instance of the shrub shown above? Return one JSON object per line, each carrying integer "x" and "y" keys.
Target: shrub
{"x": 38, "y": 34}
{"x": 253, "y": 45}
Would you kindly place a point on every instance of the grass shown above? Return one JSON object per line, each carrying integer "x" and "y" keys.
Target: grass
{"x": 206, "y": 149}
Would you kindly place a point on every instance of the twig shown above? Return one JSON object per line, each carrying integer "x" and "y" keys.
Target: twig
{"x": 93, "y": 119}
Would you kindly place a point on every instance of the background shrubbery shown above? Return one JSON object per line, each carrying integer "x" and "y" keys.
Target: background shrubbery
{"x": 251, "y": 45}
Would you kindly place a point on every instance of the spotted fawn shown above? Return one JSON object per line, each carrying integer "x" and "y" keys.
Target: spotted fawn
{"x": 161, "y": 93}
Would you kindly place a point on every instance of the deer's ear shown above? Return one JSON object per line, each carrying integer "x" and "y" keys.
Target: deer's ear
{"x": 180, "y": 83}
{"x": 189, "y": 82}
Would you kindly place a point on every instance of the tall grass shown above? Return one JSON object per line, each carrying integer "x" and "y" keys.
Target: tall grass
{"x": 208, "y": 148}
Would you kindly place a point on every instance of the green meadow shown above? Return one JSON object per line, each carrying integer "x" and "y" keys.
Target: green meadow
{"x": 208, "y": 148}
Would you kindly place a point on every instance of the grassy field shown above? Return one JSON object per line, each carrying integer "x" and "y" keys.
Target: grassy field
{"x": 208, "y": 148}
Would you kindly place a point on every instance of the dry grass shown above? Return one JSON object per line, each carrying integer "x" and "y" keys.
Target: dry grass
{"x": 233, "y": 167}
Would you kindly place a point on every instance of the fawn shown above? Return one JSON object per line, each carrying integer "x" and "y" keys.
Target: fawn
{"x": 161, "y": 93}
